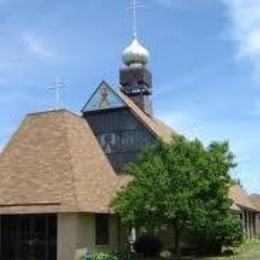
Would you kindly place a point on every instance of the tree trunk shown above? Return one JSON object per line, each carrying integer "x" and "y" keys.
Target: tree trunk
{"x": 177, "y": 234}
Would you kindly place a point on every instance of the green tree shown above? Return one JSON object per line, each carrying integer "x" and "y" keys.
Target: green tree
{"x": 177, "y": 183}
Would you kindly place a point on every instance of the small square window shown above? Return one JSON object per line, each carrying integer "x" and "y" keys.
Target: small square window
{"x": 102, "y": 235}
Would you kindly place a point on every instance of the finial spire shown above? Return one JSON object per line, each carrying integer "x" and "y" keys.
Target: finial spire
{"x": 135, "y": 54}
{"x": 134, "y": 5}
{"x": 58, "y": 84}
{"x": 134, "y": 19}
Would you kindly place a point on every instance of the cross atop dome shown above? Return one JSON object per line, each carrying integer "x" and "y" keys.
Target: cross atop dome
{"x": 135, "y": 78}
{"x": 135, "y": 54}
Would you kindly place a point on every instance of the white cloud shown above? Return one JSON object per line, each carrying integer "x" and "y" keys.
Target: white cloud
{"x": 35, "y": 46}
{"x": 244, "y": 22}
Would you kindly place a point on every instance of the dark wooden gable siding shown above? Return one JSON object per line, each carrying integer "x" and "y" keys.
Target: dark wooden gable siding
{"x": 121, "y": 135}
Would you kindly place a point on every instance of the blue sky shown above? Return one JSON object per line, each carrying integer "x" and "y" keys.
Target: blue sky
{"x": 205, "y": 59}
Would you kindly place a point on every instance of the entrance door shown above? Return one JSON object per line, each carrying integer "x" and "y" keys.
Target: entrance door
{"x": 29, "y": 237}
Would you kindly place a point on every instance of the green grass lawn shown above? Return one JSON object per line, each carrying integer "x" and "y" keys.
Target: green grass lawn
{"x": 251, "y": 253}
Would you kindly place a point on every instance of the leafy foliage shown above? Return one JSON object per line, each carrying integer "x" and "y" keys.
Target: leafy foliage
{"x": 228, "y": 232}
{"x": 104, "y": 256}
{"x": 175, "y": 183}
{"x": 126, "y": 254}
{"x": 246, "y": 245}
{"x": 212, "y": 236}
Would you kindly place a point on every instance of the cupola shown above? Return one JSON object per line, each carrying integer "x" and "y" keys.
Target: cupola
{"x": 135, "y": 54}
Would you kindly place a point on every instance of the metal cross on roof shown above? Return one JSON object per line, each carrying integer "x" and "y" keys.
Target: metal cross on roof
{"x": 134, "y": 5}
{"x": 58, "y": 84}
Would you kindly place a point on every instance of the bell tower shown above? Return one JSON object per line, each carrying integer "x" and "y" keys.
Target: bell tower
{"x": 135, "y": 77}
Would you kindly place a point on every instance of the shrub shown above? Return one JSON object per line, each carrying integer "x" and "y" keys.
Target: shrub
{"x": 104, "y": 256}
{"x": 126, "y": 255}
{"x": 229, "y": 232}
{"x": 226, "y": 232}
{"x": 148, "y": 245}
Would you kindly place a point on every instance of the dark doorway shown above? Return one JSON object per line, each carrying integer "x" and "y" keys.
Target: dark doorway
{"x": 29, "y": 237}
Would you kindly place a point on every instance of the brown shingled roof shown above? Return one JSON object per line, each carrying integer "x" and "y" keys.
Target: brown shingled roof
{"x": 54, "y": 163}
{"x": 153, "y": 124}
{"x": 240, "y": 198}
{"x": 255, "y": 199}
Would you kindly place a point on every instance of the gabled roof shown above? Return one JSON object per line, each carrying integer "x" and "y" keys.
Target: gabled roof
{"x": 255, "y": 199}
{"x": 156, "y": 126}
{"x": 103, "y": 98}
{"x": 240, "y": 199}
{"x": 118, "y": 99}
{"x": 54, "y": 163}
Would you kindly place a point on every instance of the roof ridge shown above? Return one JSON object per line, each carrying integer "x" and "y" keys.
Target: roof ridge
{"x": 61, "y": 110}
{"x": 240, "y": 197}
{"x": 254, "y": 195}
{"x": 150, "y": 122}
{"x": 14, "y": 135}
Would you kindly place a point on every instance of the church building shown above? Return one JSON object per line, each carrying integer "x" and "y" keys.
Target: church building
{"x": 60, "y": 170}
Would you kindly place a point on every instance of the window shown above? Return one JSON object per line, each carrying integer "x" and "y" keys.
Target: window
{"x": 102, "y": 236}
